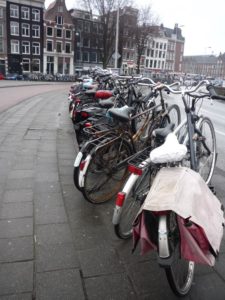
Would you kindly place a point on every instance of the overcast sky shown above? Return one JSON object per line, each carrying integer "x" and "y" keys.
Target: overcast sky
{"x": 202, "y": 22}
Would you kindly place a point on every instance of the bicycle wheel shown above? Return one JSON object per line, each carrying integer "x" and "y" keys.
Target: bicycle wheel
{"x": 103, "y": 179}
{"x": 206, "y": 149}
{"x": 174, "y": 114}
{"x": 180, "y": 273}
{"x": 132, "y": 205}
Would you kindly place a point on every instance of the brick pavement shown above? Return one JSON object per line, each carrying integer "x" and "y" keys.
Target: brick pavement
{"x": 53, "y": 243}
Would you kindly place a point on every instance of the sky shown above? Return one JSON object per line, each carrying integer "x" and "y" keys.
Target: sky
{"x": 202, "y": 22}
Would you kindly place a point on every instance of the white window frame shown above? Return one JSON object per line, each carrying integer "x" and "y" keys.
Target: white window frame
{"x": 59, "y": 20}
{"x": 25, "y": 29}
{"x": 1, "y": 30}
{"x": 47, "y": 45}
{"x": 38, "y": 60}
{"x": 69, "y": 45}
{"x": 25, "y": 47}
{"x": 14, "y": 28}
{"x": 26, "y": 61}
{"x": 35, "y": 14}
{"x": 36, "y": 48}
{"x": 58, "y": 42}
{"x": 15, "y": 46}
{"x": 36, "y": 31}
{"x": 52, "y": 31}
{"x": 68, "y": 30}
{"x": 25, "y": 13}
{"x": 1, "y": 12}
{"x": 14, "y": 11}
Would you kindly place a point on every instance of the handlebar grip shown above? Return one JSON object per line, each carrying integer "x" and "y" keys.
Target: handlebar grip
{"x": 213, "y": 93}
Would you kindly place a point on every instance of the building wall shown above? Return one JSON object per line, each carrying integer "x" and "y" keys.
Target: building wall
{"x": 24, "y": 36}
{"x": 58, "y": 40}
{"x": 3, "y": 38}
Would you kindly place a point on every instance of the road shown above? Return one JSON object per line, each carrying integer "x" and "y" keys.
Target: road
{"x": 53, "y": 243}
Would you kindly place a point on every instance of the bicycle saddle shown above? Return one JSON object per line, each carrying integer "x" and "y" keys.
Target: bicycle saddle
{"x": 163, "y": 132}
{"x": 170, "y": 151}
{"x": 121, "y": 114}
{"x": 107, "y": 103}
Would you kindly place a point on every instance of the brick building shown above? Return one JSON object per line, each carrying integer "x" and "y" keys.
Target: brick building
{"x": 3, "y": 37}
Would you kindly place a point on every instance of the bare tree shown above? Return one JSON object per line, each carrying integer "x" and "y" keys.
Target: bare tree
{"x": 145, "y": 29}
{"x": 106, "y": 9}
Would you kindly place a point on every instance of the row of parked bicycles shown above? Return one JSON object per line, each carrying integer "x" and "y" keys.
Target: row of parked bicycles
{"x": 128, "y": 132}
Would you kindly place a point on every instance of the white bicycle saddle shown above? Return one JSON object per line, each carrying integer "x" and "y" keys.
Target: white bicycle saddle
{"x": 170, "y": 151}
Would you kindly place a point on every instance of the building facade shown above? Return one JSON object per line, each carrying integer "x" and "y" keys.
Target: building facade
{"x": 3, "y": 38}
{"x": 24, "y": 36}
{"x": 58, "y": 40}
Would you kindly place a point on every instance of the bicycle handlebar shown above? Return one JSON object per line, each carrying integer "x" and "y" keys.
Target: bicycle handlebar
{"x": 213, "y": 93}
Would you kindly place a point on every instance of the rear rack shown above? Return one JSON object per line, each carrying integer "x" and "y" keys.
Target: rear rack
{"x": 141, "y": 159}
{"x": 100, "y": 129}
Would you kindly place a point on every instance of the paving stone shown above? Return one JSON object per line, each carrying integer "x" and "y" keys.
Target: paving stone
{"x": 23, "y": 296}
{"x": 47, "y": 187}
{"x": 16, "y": 278}
{"x": 18, "y": 183}
{"x": 58, "y": 285}
{"x": 16, "y": 210}
{"x": 55, "y": 257}
{"x": 53, "y": 234}
{"x": 16, "y": 249}
{"x": 66, "y": 179}
{"x": 208, "y": 287}
{"x": 99, "y": 261}
{"x": 48, "y": 200}
{"x": 16, "y": 227}
{"x": 112, "y": 287}
{"x": 46, "y": 176}
{"x": 44, "y": 215}
{"x": 21, "y": 174}
{"x": 23, "y": 195}
{"x": 219, "y": 266}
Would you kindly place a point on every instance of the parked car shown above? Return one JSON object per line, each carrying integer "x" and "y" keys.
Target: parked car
{"x": 13, "y": 76}
{"x": 1, "y": 76}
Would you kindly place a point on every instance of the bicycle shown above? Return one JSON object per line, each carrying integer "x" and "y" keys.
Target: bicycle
{"x": 196, "y": 153}
{"x": 109, "y": 158}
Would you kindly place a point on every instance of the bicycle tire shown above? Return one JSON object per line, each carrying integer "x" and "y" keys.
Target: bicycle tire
{"x": 206, "y": 162}
{"x": 131, "y": 205}
{"x": 174, "y": 114}
{"x": 180, "y": 273}
{"x": 103, "y": 166}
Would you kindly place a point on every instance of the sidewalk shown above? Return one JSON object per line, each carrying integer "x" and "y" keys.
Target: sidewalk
{"x": 53, "y": 243}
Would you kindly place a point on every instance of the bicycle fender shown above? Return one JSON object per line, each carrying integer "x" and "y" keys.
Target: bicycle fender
{"x": 78, "y": 159}
{"x": 83, "y": 172}
{"x": 127, "y": 188}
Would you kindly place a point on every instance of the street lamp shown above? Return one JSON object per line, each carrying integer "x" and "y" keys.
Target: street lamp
{"x": 117, "y": 37}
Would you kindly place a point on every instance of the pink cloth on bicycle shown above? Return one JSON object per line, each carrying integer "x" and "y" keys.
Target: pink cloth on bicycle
{"x": 184, "y": 191}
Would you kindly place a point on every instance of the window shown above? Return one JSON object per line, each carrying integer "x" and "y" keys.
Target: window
{"x": 26, "y": 65}
{"x": 86, "y": 26}
{"x": 36, "y": 65}
{"x": 80, "y": 25}
{"x": 93, "y": 57}
{"x": 36, "y": 48}
{"x": 59, "y": 33}
{"x": 25, "y": 29}
{"x": 15, "y": 46}
{"x": 14, "y": 11}
{"x": 1, "y": 30}
{"x": 35, "y": 14}
{"x": 146, "y": 63}
{"x": 85, "y": 56}
{"x": 25, "y": 47}
{"x": 68, "y": 48}
{"x": 68, "y": 34}
{"x": 1, "y": 46}
{"x": 14, "y": 28}
{"x": 50, "y": 64}
{"x": 86, "y": 42}
{"x": 60, "y": 8}
{"x": 36, "y": 31}
{"x": 25, "y": 13}
{"x": 78, "y": 56}
{"x": 95, "y": 27}
{"x": 1, "y": 12}
{"x": 49, "y": 46}
{"x": 58, "y": 47}
{"x": 59, "y": 20}
{"x": 157, "y": 45}
{"x": 49, "y": 31}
